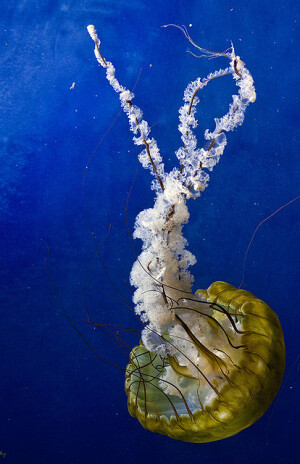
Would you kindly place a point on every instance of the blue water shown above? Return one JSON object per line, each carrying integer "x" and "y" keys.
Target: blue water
{"x": 59, "y": 403}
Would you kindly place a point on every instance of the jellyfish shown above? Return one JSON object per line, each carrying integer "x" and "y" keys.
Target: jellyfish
{"x": 210, "y": 362}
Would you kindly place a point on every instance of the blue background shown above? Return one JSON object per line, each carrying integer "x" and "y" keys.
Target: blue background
{"x": 58, "y": 402}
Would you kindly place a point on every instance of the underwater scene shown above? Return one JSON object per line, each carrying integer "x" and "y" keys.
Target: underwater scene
{"x": 149, "y": 204}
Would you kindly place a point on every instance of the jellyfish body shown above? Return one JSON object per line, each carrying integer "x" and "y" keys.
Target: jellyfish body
{"x": 209, "y": 364}
{"x": 245, "y": 353}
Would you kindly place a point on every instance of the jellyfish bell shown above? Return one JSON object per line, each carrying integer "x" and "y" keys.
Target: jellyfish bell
{"x": 219, "y": 376}
{"x": 209, "y": 363}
